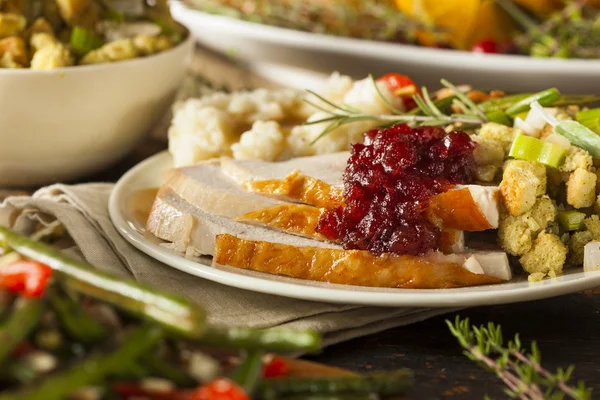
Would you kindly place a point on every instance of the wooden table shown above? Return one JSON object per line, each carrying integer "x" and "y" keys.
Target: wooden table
{"x": 566, "y": 329}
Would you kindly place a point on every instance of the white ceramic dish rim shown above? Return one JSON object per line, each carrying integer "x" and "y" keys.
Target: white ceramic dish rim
{"x": 324, "y": 292}
{"x": 370, "y": 48}
{"x": 94, "y": 67}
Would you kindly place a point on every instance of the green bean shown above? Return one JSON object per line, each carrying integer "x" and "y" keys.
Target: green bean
{"x": 173, "y": 312}
{"x": 18, "y": 372}
{"x": 92, "y": 370}
{"x": 76, "y": 322}
{"x": 249, "y": 371}
{"x": 442, "y": 104}
{"x": 579, "y": 100}
{"x": 499, "y": 117}
{"x": 546, "y": 98}
{"x": 384, "y": 383}
{"x": 20, "y": 323}
{"x": 502, "y": 103}
{"x": 275, "y": 339}
{"x": 164, "y": 369}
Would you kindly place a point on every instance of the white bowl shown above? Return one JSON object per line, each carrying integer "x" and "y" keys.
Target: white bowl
{"x": 292, "y": 58}
{"x": 59, "y": 125}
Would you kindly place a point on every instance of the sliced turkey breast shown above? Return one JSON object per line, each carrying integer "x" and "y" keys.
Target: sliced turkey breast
{"x": 328, "y": 168}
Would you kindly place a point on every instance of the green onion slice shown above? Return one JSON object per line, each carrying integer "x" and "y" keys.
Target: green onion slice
{"x": 83, "y": 41}
{"x": 571, "y": 220}
{"x": 545, "y": 98}
{"x": 590, "y": 118}
{"x": 531, "y": 149}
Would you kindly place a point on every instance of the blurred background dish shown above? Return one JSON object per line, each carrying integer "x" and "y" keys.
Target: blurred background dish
{"x": 303, "y": 59}
{"x": 64, "y": 123}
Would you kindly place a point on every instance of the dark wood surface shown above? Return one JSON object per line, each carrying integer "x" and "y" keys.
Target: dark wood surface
{"x": 567, "y": 329}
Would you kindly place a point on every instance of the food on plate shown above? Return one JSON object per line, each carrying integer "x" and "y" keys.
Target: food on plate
{"x": 61, "y": 33}
{"x": 539, "y": 28}
{"x": 428, "y": 174}
{"x": 71, "y": 331}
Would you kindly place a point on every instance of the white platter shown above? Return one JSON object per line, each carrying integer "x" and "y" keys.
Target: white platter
{"x": 148, "y": 175}
{"x": 303, "y": 60}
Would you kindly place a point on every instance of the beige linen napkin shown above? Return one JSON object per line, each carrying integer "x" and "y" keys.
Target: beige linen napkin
{"x": 83, "y": 210}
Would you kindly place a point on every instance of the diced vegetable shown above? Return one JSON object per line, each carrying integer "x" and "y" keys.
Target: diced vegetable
{"x": 220, "y": 389}
{"x": 591, "y": 257}
{"x": 401, "y": 86}
{"x": 545, "y": 98}
{"x": 571, "y": 220}
{"x": 580, "y": 136}
{"x": 531, "y": 149}
{"x": 28, "y": 278}
{"x": 499, "y": 117}
{"x": 590, "y": 118}
{"x": 83, "y": 41}
{"x": 276, "y": 368}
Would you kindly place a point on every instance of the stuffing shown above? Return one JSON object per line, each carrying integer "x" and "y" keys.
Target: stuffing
{"x": 501, "y": 134}
{"x": 522, "y": 182}
{"x": 11, "y": 24}
{"x": 337, "y": 87}
{"x": 364, "y": 96}
{"x": 487, "y": 152}
{"x": 197, "y": 135}
{"x": 516, "y": 233}
{"x": 79, "y": 12}
{"x": 7, "y": 61}
{"x": 592, "y": 224}
{"x": 147, "y": 45}
{"x": 15, "y": 50}
{"x": 581, "y": 188}
{"x": 547, "y": 255}
{"x": 576, "y": 243}
{"x": 265, "y": 141}
{"x": 577, "y": 158}
{"x": 49, "y": 52}
{"x": 118, "y": 50}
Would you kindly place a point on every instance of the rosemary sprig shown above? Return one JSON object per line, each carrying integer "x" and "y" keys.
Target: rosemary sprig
{"x": 522, "y": 373}
{"x": 338, "y": 115}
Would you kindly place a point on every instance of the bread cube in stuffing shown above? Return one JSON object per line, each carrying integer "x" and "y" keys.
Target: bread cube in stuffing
{"x": 522, "y": 182}
{"x": 576, "y": 158}
{"x": 548, "y": 254}
{"x": 499, "y": 133}
{"x": 581, "y": 188}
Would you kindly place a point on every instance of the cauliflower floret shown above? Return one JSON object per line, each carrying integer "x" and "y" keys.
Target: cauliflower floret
{"x": 200, "y": 134}
{"x": 11, "y": 24}
{"x": 146, "y": 45}
{"x": 118, "y": 50}
{"x": 265, "y": 141}
{"x": 547, "y": 255}
{"x": 577, "y": 158}
{"x": 499, "y": 133}
{"x": 592, "y": 224}
{"x": 516, "y": 233}
{"x": 576, "y": 243}
{"x": 581, "y": 188}
{"x": 49, "y": 52}
{"x": 15, "y": 50}
{"x": 522, "y": 182}
{"x": 488, "y": 152}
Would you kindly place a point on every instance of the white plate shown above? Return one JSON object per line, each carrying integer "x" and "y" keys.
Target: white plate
{"x": 302, "y": 59}
{"x": 147, "y": 175}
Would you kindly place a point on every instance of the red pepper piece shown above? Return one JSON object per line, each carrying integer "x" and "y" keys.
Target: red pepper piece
{"x": 28, "y": 278}
{"x": 276, "y": 368}
{"x": 488, "y": 46}
{"x": 402, "y": 86}
{"x": 220, "y": 389}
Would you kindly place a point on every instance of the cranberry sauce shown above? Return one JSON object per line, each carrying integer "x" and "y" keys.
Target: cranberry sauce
{"x": 387, "y": 182}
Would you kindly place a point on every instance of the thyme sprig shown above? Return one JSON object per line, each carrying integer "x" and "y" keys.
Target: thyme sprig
{"x": 521, "y": 372}
{"x": 341, "y": 114}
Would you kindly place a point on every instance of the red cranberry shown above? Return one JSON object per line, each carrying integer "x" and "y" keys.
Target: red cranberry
{"x": 488, "y": 46}
{"x": 389, "y": 179}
